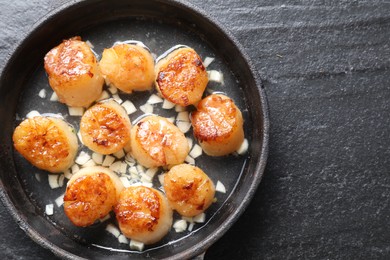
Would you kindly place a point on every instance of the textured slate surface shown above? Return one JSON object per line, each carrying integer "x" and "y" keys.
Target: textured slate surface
{"x": 326, "y": 69}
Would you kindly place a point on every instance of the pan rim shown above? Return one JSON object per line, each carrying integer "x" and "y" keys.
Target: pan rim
{"x": 259, "y": 167}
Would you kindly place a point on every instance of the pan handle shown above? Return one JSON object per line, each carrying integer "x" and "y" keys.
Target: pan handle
{"x": 199, "y": 257}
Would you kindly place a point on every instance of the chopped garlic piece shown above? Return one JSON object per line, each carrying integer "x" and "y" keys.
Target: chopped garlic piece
{"x": 168, "y": 104}
{"x": 33, "y": 113}
{"x": 97, "y": 158}
{"x": 75, "y": 168}
{"x": 180, "y": 225}
{"x": 125, "y": 182}
{"x": 82, "y": 158}
{"x": 183, "y": 116}
{"x": 196, "y": 151}
{"x": 42, "y": 93}
{"x": 190, "y": 160}
{"x": 220, "y": 187}
{"x": 117, "y": 98}
{"x": 68, "y": 174}
{"x": 60, "y": 200}
{"x": 80, "y": 138}
{"x": 49, "y": 209}
{"x": 184, "y": 127}
{"x": 76, "y": 111}
{"x": 38, "y": 177}
{"x": 61, "y": 180}
{"x": 54, "y": 97}
{"x": 154, "y": 99}
{"x": 116, "y": 167}
{"x": 244, "y": 147}
{"x": 53, "y": 181}
{"x": 146, "y": 108}
{"x": 190, "y": 142}
{"x": 113, "y": 230}
{"x": 120, "y": 154}
{"x": 129, "y": 107}
{"x": 108, "y": 160}
{"x": 215, "y": 75}
{"x": 89, "y": 163}
{"x": 207, "y": 61}
{"x": 135, "y": 245}
{"x": 112, "y": 89}
{"x": 191, "y": 226}
{"x": 122, "y": 239}
{"x": 151, "y": 172}
{"x": 200, "y": 218}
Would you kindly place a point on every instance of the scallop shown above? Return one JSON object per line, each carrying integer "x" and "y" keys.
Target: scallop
{"x": 74, "y": 73}
{"x": 91, "y": 194}
{"x": 46, "y": 142}
{"x": 128, "y": 67}
{"x": 143, "y": 214}
{"x": 218, "y": 125}
{"x": 181, "y": 76}
{"x": 188, "y": 189}
{"x": 157, "y": 142}
{"x": 105, "y": 127}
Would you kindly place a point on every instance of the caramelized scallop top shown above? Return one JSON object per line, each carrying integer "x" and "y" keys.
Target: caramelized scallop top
{"x": 218, "y": 125}
{"x": 181, "y": 77}
{"x": 143, "y": 214}
{"x": 105, "y": 127}
{"x": 128, "y": 67}
{"x": 74, "y": 73}
{"x": 90, "y": 195}
{"x": 48, "y": 143}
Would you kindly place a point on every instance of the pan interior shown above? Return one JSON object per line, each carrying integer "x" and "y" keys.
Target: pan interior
{"x": 159, "y": 26}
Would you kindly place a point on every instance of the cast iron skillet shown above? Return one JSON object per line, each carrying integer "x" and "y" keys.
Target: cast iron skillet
{"x": 160, "y": 25}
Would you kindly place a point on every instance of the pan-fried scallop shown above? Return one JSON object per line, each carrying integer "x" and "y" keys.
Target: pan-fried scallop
{"x": 157, "y": 142}
{"x": 105, "y": 127}
{"x": 181, "y": 76}
{"x": 188, "y": 189}
{"x": 128, "y": 67}
{"x": 91, "y": 194}
{"x": 143, "y": 214}
{"x": 48, "y": 143}
{"x": 218, "y": 125}
{"x": 74, "y": 73}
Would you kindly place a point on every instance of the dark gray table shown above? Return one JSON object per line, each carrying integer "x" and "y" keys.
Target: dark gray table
{"x": 326, "y": 69}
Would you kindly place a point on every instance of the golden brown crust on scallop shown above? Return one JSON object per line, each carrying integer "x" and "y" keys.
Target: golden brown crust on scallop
{"x": 47, "y": 143}
{"x": 128, "y": 67}
{"x": 89, "y": 198}
{"x": 143, "y": 214}
{"x": 74, "y": 73}
{"x": 181, "y": 77}
{"x": 157, "y": 142}
{"x": 188, "y": 189}
{"x": 105, "y": 128}
{"x": 218, "y": 125}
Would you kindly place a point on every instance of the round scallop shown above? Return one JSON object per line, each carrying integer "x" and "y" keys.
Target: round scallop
{"x": 218, "y": 125}
{"x": 181, "y": 77}
{"x": 143, "y": 214}
{"x": 128, "y": 67}
{"x": 91, "y": 194}
{"x": 105, "y": 127}
{"x": 188, "y": 189}
{"x": 74, "y": 73}
{"x": 46, "y": 142}
{"x": 157, "y": 142}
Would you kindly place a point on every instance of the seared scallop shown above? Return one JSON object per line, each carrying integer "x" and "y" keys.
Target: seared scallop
{"x": 91, "y": 194}
{"x": 128, "y": 67}
{"x": 181, "y": 77}
{"x": 157, "y": 142}
{"x": 74, "y": 73}
{"x": 143, "y": 214}
{"x": 105, "y": 127}
{"x": 46, "y": 142}
{"x": 218, "y": 125}
{"x": 188, "y": 189}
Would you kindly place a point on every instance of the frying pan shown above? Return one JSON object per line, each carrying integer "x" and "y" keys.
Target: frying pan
{"x": 160, "y": 24}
